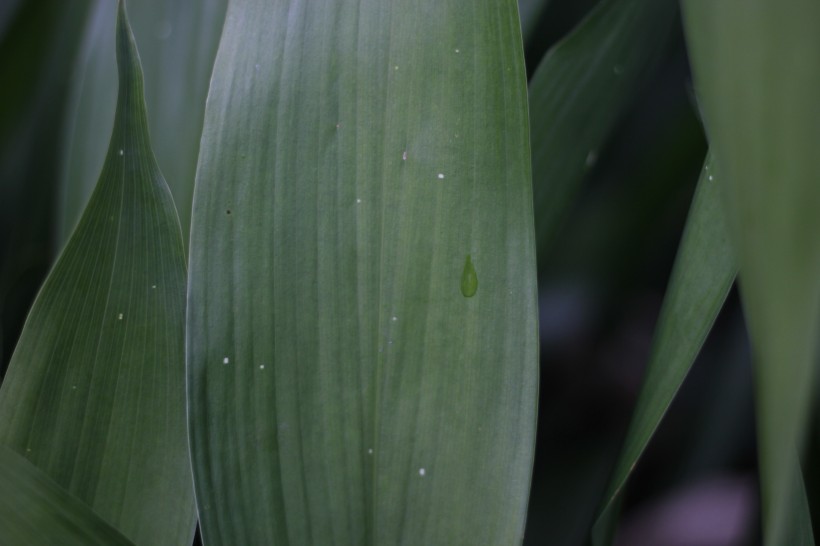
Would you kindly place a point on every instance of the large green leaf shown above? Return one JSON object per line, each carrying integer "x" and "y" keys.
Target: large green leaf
{"x": 756, "y": 67}
{"x": 178, "y": 41}
{"x": 35, "y": 511}
{"x": 578, "y": 93}
{"x": 702, "y": 275}
{"x": 346, "y": 386}
{"x": 94, "y": 395}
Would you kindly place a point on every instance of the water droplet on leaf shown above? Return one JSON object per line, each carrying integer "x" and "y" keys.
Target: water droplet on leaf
{"x": 469, "y": 279}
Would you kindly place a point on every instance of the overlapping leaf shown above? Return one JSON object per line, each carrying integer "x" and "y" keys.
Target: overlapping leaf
{"x": 94, "y": 395}
{"x": 578, "y": 93}
{"x": 703, "y": 273}
{"x": 35, "y": 511}
{"x": 756, "y": 67}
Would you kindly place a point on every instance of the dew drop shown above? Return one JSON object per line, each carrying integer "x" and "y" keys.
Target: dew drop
{"x": 469, "y": 279}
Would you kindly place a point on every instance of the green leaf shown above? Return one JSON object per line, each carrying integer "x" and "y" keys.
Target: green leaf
{"x": 35, "y": 511}
{"x": 704, "y": 270}
{"x": 178, "y": 41}
{"x": 578, "y": 93}
{"x": 342, "y": 390}
{"x": 94, "y": 395}
{"x": 756, "y": 68}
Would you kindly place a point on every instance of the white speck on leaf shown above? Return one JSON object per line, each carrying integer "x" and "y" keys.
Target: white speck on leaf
{"x": 395, "y": 319}
{"x": 370, "y": 451}
{"x": 404, "y": 156}
{"x": 119, "y": 317}
{"x": 154, "y": 286}
{"x": 226, "y": 360}
{"x": 441, "y": 176}
{"x": 358, "y": 200}
{"x": 458, "y": 50}
{"x": 422, "y": 472}
{"x": 261, "y": 366}
{"x": 121, "y": 152}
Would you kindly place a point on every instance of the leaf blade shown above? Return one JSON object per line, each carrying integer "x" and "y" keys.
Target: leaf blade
{"x": 613, "y": 47}
{"x": 362, "y": 164}
{"x": 757, "y": 74}
{"x": 94, "y": 395}
{"x": 704, "y": 271}
{"x": 42, "y": 513}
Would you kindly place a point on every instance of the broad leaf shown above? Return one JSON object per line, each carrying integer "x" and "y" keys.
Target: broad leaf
{"x": 351, "y": 380}
{"x": 702, "y": 275}
{"x": 94, "y": 395}
{"x": 756, "y": 67}
{"x": 35, "y": 511}
{"x": 178, "y": 41}
{"x": 578, "y": 93}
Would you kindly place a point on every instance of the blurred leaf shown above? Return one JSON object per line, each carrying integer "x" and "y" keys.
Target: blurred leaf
{"x": 178, "y": 40}
{"x": 703, "y": 273}
{"x": 757, "y": 74}
{"x": 797, "y": 527}
{"x": 578, "y": 93}
{"x": 35, "y": 511}
{"x": 36, "y": 51}
{"x": 94, "y": 392}
{"x": 342, "y": 389}
{"x": 530, "y": 12}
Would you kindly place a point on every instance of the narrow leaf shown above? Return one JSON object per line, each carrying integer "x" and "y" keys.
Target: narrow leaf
{"x": 756, "y": 67}
{"x": 178, "y": 40}
{"x": 343, "y": 390}
{"x": 704, "y": 270}
{"x": 35, "y": 511}
{"x": 578, "y": 93}
{"x": 94, "y": 395}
